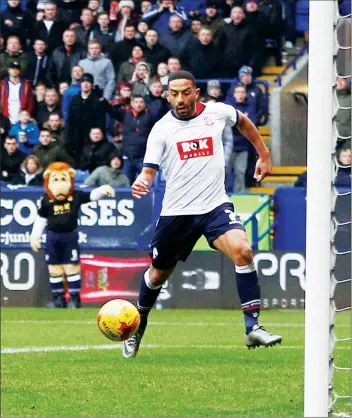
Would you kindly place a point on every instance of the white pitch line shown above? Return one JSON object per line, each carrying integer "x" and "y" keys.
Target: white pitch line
{"x": 44, "y": 349}
{"x": 183, "y": 324}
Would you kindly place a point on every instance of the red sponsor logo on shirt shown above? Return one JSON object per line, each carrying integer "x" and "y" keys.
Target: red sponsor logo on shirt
{"x": 195, "y": 148}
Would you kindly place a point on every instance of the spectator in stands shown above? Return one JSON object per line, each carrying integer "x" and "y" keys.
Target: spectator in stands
{"x": 103, "y": 33}
{"x": 290, "y": 22}
{"x": 5, "y": 126}
{"x": 155, "y": 100}
{"x": 163, "y": 74}
{"x": 158, "y": 17}
{"x": 136, "y": 126}
{"x": 96, "y": 8}
{"x": 254, "y": 92}
{"x": 48, "y": 151}
{"x": 212, "y": 20}
{"x": 239, "y": 44}
{"x": 50, "y": 105}
{"x": 140, "y": 79}
{"x": 123, "y": 95}
{"x": 16, "y": 21}
{"x": 55, "y": 126}
{"x": 214, "y": 91}
{"x": 65, "y": 57}
{"x": 142, "y": 29}
{"x": 237, "y": 148}
{"x": 84, "y": 30}
{"x": 19, "y": 90}
{"x": 96, "y": 152}
{"x": 146, "y": 6}
{"x": 100, "y": 67}
{"x": 13, "y": 53}
{"x": 63, "y": 86}
{"x": 177, "y": 37}
{"x": 38, "y": 63}
{"x": 343, "y": 178}
{"x": 50, "y": 28}
{"x": 173, "y": 65}
{"x": 11, "y": 159}
{"x": 195, "y": 27}
{"x": 202, "y": 57}
{"x": 121, "y": 51}
{"x": 30, "y": 173}
{"x": 72, "y": 90}
{"x": 26, "y": 133}
{"x": 125, "y": 14}
{"x": 111, "y": 173}
{"x": 127, "y": 68}
{"x": 154, "y": 52}
{"x": 343, "y": 120}
{"x": 86, "y": 111}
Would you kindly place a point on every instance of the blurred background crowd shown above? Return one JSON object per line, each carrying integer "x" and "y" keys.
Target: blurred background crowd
{"x": 84, "y": 81}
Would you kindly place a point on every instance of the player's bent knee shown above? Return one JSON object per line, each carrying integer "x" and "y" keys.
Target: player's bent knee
{"x": 159, "y": 277}
{"x": 244, "y": 253}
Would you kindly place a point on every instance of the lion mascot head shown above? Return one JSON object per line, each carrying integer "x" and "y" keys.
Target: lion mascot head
{"x": 59, "y": 181}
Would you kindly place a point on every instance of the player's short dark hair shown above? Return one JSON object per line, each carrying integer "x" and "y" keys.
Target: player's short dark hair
{"x": 182, "y": 75}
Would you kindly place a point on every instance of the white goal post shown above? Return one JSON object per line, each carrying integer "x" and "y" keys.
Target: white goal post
{"x": 319, "y": 196}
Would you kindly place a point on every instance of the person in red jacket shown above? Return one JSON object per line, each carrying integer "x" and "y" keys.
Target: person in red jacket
{"x": 15, "y": 94}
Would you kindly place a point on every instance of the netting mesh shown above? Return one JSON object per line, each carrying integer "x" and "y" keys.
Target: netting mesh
{"x": 340, "y": 387}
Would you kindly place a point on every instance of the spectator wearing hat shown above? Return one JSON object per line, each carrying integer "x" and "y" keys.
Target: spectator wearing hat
{"x": 20, "y": 90}
{"x": 212, "y": 20}
{"x": 202, "y": 57}
{"x": 239, "y": 44}
{"x": 158, "y": 17}
{"x": 121, "y": 51}
{"x": 214, "y": 90}
{"x": 254, "y": 92}
{"x": 177, "y": 37}
{"x": 65, "y": 57}
{"x": 125, "y": 13}
{"x": 127, "y": 68}
{"x": 154, "y": 52}
{"x": 50, "y": 28}
{"x": 103, "y": 33}
{"x": 86, "y": 111}
{"x": 100, "y": 67}
{"x": 13, "y": 53}
{"x": 72, "y": 90}
{"x": 237, "y": 147}
{"x": 96, "y": 152}
{"x": 111, "y": 173}
{"x": 11, "y": 159}
{"x": 140, "y": 79}
{"x": 84, "y": 30}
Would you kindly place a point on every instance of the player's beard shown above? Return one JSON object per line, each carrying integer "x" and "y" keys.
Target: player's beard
{"x": 185, "y": 112}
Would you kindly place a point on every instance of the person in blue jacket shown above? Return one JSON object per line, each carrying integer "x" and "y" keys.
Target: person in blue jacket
{"x": 26, "y": 133}
{"x": 72, "y": 90}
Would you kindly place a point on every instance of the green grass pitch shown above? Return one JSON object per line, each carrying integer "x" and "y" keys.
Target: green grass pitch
{"x": 193, "y": 363}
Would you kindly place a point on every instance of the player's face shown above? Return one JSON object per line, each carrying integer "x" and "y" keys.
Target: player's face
{"x": 183, "y": 95}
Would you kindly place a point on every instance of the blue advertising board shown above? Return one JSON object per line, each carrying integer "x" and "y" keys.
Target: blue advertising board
{"x": 123, "y": 222}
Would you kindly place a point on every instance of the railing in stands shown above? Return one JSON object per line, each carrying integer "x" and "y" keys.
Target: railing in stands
{"x": 256, "y": 237}
{"x": 263, "y": 83}
{"x": 292, "y": 63}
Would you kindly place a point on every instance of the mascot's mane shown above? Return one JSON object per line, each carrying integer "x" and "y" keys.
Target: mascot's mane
{"x": 58, "y": 167}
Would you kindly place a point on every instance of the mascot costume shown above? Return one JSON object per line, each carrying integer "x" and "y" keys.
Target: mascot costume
{"x": 58, "y": 212}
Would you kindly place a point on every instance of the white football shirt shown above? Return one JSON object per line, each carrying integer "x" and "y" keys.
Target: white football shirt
{"x": 191, "y": 156}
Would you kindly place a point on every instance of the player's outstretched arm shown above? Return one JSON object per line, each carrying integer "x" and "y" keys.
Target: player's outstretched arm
{"x": 250, "y": 131}
{"x": 37, "y": 230}
{"x": 142, "y": 183}
{"x": 101, "y": 192}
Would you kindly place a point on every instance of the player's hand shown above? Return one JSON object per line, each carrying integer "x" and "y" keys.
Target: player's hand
{"x": 35, "y": 243}
{"x": 108, "y": 191}
{"x": 139, "y": 188}
{"x": 262, "y": 168}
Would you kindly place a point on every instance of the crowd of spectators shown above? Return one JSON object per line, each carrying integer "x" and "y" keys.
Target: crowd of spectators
{"x": 83, "y": 80}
